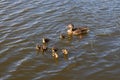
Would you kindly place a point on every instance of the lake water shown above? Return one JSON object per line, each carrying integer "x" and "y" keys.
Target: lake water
{"x": 23, "y": 23}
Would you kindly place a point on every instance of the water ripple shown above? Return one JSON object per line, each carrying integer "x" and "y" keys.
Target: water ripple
{"x": 24, "y": 23}
{"x": 17, "y": 64}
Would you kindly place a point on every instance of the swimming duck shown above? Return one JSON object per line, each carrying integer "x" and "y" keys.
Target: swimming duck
{"x": 43, "y": 48}
{"x": 55, "y": 55}
{"x": 65, "y": 51}
{"x": 38, "y": 47}
{"x": 54, "y": 49}
{"x": 45, "y": 40}
{"x": 62, "y": 36}
{"x": 77, "y": 31}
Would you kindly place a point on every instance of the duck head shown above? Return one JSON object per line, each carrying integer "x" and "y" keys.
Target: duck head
{"x": 43, "y": 40}
{"x": 54, "y": 49}
{"x": 70, "y": 26}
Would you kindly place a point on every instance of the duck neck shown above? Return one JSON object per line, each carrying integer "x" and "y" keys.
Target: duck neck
{"x": 69, "y": 32}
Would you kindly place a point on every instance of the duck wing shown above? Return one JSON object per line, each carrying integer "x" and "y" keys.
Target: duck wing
{"x": 77, "y": 32}
{"x": 84, "y": 30}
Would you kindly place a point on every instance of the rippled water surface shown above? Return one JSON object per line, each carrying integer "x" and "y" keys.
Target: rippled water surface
{"x": 23, "y": 23}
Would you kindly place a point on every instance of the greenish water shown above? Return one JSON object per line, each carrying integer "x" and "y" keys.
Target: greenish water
{"x": 23, "y": 23}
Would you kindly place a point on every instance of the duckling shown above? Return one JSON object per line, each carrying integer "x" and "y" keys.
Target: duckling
{"x": 55, "y": 55}
{"x": 65, "y": 51}
{"x": 38, "y": 47}
{"x": 45, "y": 40}
{"x": 43, "y": 48}
{"x": 54, "y": 49}
{"x": 77, "y": 31}
{"x": 62, "y": 36}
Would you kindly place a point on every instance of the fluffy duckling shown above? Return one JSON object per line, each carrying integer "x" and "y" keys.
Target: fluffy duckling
{"x": 38, "y": 47}
{"x": 55, "y": 55}
{"x": 43, "y": 48}
{"x": 45, "y": 40}
{"x": 77, "y": 31}
{"x": 65, "y": 51}
{"x": 54, "y": 49}
{"x": 62, "y": 36}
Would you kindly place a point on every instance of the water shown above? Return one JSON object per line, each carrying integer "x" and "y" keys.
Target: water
{"x": 23, "y": 23}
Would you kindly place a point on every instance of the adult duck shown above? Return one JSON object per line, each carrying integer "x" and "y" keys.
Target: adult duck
{"x": 77, "y": 31}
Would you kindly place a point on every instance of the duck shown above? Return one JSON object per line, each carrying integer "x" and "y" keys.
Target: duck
{"x": 43, "y": 48}
{"x": 54, "y": 49}
{"x": 38, "y": 47}
{"x": 77, "y": 31}
{"x": 62, "y": 36}
{"x": 65, "y": 51}
{"x": 45, "y": 40}
{"x": 55, "y": 55}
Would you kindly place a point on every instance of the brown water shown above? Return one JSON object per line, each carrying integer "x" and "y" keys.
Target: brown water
{"x": 23, "y": 23}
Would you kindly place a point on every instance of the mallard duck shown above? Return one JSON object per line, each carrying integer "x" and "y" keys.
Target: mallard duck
{"x": 65, "y": 51}
{"x": 55, "y": 55}
{"x": 62, "y": 36}
{"x": 77, "y": 31}
{"x": 54, "y": 49}
{"x": 45, "y": 40}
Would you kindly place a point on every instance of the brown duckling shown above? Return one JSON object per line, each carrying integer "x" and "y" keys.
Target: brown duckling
{"x": 55, "y": 55}
{"x": 54, "y": 49}
{"x": 38, "y": 47}
{"x": 77, "y": 31}
{"x": 65, "y": 51}
{"x": 62, "y": 36}
{"x": 43, "y": 48}
{"x": 45, "y": 40}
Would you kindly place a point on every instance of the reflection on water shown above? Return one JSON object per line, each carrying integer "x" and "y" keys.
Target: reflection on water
{"x": 24, "y": 23}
